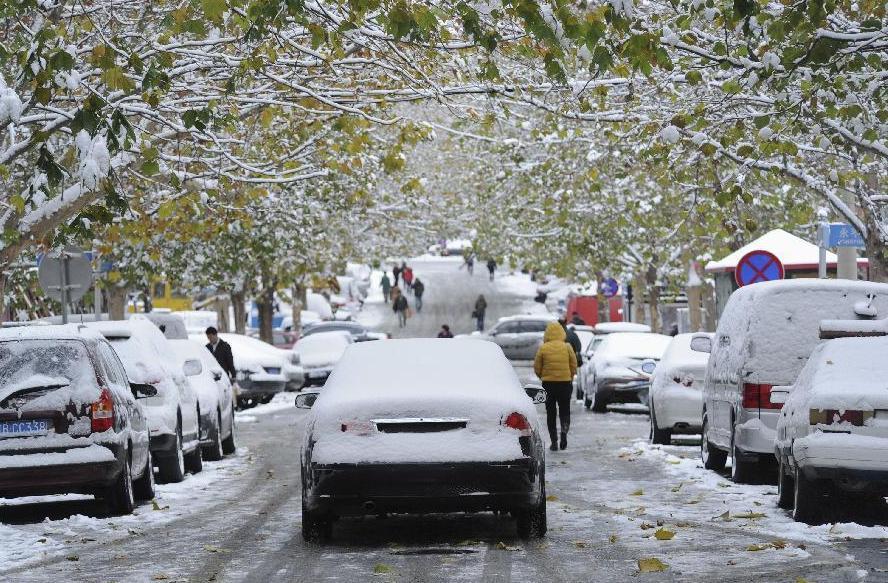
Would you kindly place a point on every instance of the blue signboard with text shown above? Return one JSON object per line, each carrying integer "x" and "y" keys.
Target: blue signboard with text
{"x": 844, "y": 235}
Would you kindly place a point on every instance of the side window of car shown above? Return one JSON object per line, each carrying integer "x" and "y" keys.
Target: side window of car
{"x": 533, "y": 326}
{"x": 114, "y": 370}
{"x": 511, "y": 328}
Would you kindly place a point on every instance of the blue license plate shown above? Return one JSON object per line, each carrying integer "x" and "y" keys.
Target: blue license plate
{"x": 272, "y": 370}
{"x": 25, "y": 427}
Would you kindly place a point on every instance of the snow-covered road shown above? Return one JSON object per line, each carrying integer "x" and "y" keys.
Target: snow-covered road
{"x": 614, "y": 501}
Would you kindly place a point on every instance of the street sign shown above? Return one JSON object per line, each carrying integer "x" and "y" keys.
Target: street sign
{"x": 610, "y": 287}
{"x": 65, "y": 276}
{"x": 758, "y": 266}
{"x": 844, "y": 235}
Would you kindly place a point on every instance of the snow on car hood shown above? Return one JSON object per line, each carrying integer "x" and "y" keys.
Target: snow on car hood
{"x": 848, "y": 373}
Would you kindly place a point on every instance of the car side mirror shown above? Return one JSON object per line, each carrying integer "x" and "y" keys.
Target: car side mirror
{"x": 536, "y": 394}
{"x": 143, "y": 390}
{"x": 192, "y": 367}
{"x": 779, "y": 395}
{"x": 701, "y": 342}
{"x": 306, "y": 400}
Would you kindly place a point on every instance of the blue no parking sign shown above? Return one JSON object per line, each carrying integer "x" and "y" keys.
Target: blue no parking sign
{"x": 758, "y": 266}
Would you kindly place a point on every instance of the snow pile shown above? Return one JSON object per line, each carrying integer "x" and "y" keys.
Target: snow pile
{"x": 62, "y": 365}
{"x": 95, "y": 160}
{"x": 318, "y": 304}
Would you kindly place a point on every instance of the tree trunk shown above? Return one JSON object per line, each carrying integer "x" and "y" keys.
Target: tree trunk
{"x": 638, "y": 295}
{"x": 653, "y": 298}
{"x": 299, "y": 301}
{"x": 601, "y": 300}
{"x": 222, "y": 304}
{"x": 239, "y": 302}
{"x": 265, "y": 306}
{"x": 4, "y": 279}
{"x": 695, "y": 310}
{"x": 710, "y": 318}
{"x": 876, "y": 250}
{"x": 116, "y": 302}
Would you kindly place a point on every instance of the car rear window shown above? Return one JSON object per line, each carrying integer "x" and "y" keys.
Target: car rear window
{"x": 533, "y": 326}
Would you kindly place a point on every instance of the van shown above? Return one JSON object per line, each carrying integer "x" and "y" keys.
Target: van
{"x": 764, "y": 338}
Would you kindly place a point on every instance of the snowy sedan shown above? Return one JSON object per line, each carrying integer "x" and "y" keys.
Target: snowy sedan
{"x": 619, "y": 373}
{"x": 450, "y": 430}
{"x": 832, "y": 433}
{"x": 319, "y": 353}
{"x": 259, "y": 366}
{"x": 676, "y": 400}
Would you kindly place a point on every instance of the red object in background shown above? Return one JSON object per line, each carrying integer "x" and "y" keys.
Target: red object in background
{"x": 587, "y": 308}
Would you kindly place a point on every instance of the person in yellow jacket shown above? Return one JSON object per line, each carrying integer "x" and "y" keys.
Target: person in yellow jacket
{"x": 556, "y": 365}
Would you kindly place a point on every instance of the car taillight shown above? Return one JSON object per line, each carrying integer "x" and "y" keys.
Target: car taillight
{"x": 102, "y": 412}
{"x": 758, "y": 396}
{"x": 518, "y": 422}
{"x": 831, "y": 416}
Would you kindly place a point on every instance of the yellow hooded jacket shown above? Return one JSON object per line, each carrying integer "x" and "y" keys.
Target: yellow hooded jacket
{"x": 555, "y": 360}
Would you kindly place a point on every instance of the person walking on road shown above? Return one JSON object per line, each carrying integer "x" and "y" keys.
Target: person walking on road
{"x": 222, "y": 351}
{"x": 386, "y": 287}
{"x": 407, "y": 276}
{"x": 396, "y": 291}
{"x": 400, "y": 307}
{"x": 396, "y": 272}
{"x": 491, "y": 267}
{"x": 478, "y": 314}
{"x": 555, "y": 364}
{"x": 418, "y": 290}
{"x": 574, "y": 341}
{"x": 470, "y": 264}
{"x": 445, "y": 332}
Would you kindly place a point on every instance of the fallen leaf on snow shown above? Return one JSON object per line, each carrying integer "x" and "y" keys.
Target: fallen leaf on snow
{"x": 651, "y": 565}
{"x": 72, "y": 558}
{"x": 580, "y": 544}
{"x": 646, "y": 525}
{"x": 750, "y": 515}
{"x": 381, "y": 569}
{"x": 160, "y": 577}
{"x": 758, "y": 547}
{"x": 638, "y": 492}
{"x": 613, "y": 538}
{"x": 503, "y": 547}
{"x": 664, "y": 534}
{"x": 677, "y": 488}
{"x": 212, "y": 549}
{"x": 552, "y": 498}
{"x": 726, "y": 516}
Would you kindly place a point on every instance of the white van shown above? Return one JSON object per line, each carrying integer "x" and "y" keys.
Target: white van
{"x": 764, "y": 338}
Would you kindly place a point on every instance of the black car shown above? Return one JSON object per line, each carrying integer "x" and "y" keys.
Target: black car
{"x": 452, "y": 432}
{"x": 69, "y": 418}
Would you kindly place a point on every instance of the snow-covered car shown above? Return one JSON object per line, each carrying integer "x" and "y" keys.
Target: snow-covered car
{"x": 620, "y": 369}
{"x": 519, "y": 337}
{"x": 614, "y": 327}
{"x": 215, "y": 398}
{"x": 319, "y": 353}
{"x": 279, "y": 338}
{"x": 586, "y": 370}
{"x": 70, "y": 421}
{"x": 306, "y": 317}
{"x": 172, "y": 325}
{"x": 173, "y": 415}
{"x": 259, "y": 366}
{"x": 676, "y": 398}
{"x": 359, "y": 332}
{"x": 764, "y": 337}
{"x": 197, "y": 321}
{"x": 832, "y": 433}
{"x": 466, "y": 438}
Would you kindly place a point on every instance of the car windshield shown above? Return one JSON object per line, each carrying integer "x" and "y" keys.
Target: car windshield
{"x": 326, "y": 342}
{"x": 635, "y": 345}
{"x": 26, "y": 364}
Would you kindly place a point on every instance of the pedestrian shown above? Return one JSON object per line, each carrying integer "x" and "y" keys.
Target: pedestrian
{"x": 400, "y": 307}
{"x": 396, "y": 291}
{"x": 418, "y": 290}
{"x": 386, "y": 287}
{"x": 407, "y": 276}
{"x": 572, "y": 339}
{"x": 478, "y": 314}
{"x": 577, "y": 320}
{"x": 396, "y": 272}
{"x": 222, "y": 351}
{"x": 491, "y": 267}
{"x": 445, "y": 332}
{"x": 470, "y": 264}
{"x": 555, "y": 364}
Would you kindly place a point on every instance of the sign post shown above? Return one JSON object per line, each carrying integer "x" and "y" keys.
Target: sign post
{"x": 758, "y": 266}
{"x": 65, "y": 276}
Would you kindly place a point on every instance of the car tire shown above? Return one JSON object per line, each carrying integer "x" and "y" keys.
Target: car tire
{"x": 143, "y": 488}
{"x": 213, "y": 452}
{"x": 229, "y": 444}
{"x": 316, "y": 528}
{"x": 171, "y": 467}
{"x": 742, "y": 471}
{"x": 596, "y": 403}
{"x": 808, "y": 499}
{"x": 658, "y": 436}
{"x": 713, "y": 457}
{"x": 785, "y": 486}
{"x": 120, "y": 497}
{"x": 194, "y": 460}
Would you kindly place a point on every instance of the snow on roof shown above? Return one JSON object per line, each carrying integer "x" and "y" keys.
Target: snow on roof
{"x": 49, "y": 332}
{"x": 849, "y": 373}
{"x": 794, "y": 252}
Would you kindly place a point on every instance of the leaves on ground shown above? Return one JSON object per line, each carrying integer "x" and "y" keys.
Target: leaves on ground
{"x": 552, "y": 498}
{"x": 72, "y": 558}
{"x": 651, "y": 565}
{"x": 213, "y": 549}
{"x": 750, "y": 515}
{"x": 613, "y": 538}
{"x": 156, "y": 506}
{"x": 503, "y": 547}
{"x": 664, "y": 534}
{"x": 581, "y": 544}
{"x": 677, "y": 488}
{"x": 382, "y": 569}
{"x": 638, "y": 492}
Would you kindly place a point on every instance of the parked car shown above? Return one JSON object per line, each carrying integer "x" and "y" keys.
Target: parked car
{"x": 586, "y": 370}
{"x": 70, "y": 421}
{"x": 215, "y": 397}
{"x": 466, "y": 438}
{"x": 358, "y": 332}
{"x": 676, "y": 397}
{"x": 614, "y": 327}
{"x": 620, "y": 369}
{"x": 259, "y": 366}
{"x": 319, "y": 353}
{"x": 279, "y": 338}
{"x": 763, "y": 339}
{"x": 832, "y": 434}
{"x": 173, "y": 414}
{"x": 519, "y": 337}
{"x": 172, "y": 325}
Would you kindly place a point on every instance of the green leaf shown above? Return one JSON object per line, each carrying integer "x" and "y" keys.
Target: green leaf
{"x": 213, "y": 10}
{"x": 694, "y": 77}
{"x": 761, "y": 121}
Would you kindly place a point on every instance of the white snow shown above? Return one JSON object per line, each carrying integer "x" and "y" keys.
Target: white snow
{"x": 79, "y": 455}
{"x": 322, "y": 349}
{"x": 792, "y": 251}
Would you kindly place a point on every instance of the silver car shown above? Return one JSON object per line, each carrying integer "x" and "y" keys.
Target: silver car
{"x": 519, "y": 336}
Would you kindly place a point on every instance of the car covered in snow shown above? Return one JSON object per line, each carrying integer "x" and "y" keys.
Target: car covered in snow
{"x": 215, "y": 398}
{"x": 173, "y": 413}
{"x": 70, "y": 420}
{"x": 319, "y": 353}
{"x": 591, "y": 337}
{"x": 422, "y": 425}
{"x": 832, "y": 432}
{"x": 620, "y": 369}
{"x": 519, "y": 336}
{"x": 259, "y": 366}
{"x": 359, "y": 332}
{"x": 763, "y": 339}
{"x": 676, "y": 394}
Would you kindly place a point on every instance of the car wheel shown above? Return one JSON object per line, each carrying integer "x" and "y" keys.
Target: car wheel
{"x": 742, "y": 471}
{"x": 785, "y": 486}
{"x": 315, "y": 527}
{"x": 229, "y": 444}
{"x": 194, "y": 460}
{"x": 143, "y": 488}
{"x": 596, "y": 403}
{"x": 213, "y": 452}
{"x": 120, "y": 496}
{"x": 532, "y": 522}
{"x": 658, "y": 436}
{"x": 172, "y": 465}
{"x": 713, "y": 457}
{"x": 807, "y": 499}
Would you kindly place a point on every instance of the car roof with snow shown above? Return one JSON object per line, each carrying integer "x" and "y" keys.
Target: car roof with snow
{"x": 535, "y": 317}
{"x": 853, "y": 369}
{"x": 49, "y": 332}
{"x": 613, "y": 327}
{"x": 679, "y": 354}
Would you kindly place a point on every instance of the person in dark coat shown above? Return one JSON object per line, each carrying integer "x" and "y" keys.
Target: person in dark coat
{"x": 396, "y": 272}
{"x": 222, "y": 351}
{"x": 386, "y": 287}
{"x": 491, "y": 267}
{"x": 573, "y": 340}
{"x": 445, "y": 332}
{"x": 400, "y": 307}
{"x": 478, "y": 314}
{"x": 577, "y": 320}
{"x": 418, "y": 290}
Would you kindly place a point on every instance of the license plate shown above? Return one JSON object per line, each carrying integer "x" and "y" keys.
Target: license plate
{"x": 272, "y": 370}
{"x": 25, "y": 428}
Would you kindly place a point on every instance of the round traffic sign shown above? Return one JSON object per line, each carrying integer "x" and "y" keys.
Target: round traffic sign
{"x": 610, "y": 287}
{"x": 71, "y": 266}
{"x": 758, "y": 266}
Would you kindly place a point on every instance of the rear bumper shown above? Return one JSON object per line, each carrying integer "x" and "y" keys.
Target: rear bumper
{"x": 358, "y": 489}
{"x": 249, "y": 388}
{"x": 620, "y": 390}
{"x": 679, "y": 408}
{"x": 755, "y": 434}
{"x": 75, "y": 470}
{"x": 847, "y": 460}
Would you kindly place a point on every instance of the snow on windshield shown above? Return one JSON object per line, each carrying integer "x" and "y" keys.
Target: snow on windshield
{"x": 679, "y": 353}
{"x": 328, "y": 341}
{"x": 635, "y": 345}
{"x": 62, "y": 365}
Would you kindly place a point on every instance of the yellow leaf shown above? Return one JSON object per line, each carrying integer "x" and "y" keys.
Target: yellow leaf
{"x": 381, "y": 569}
{"x": 580, "y": 544}
{"x": 664, "y": 534}
{"x": 758, "y": 547}
{"x": 638, "y": 492}
{"x": 652, "y": 565}
{"x": 552, "y": 498}
{"x": 750, "y": 515}
{"x": 613, "y": 538}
